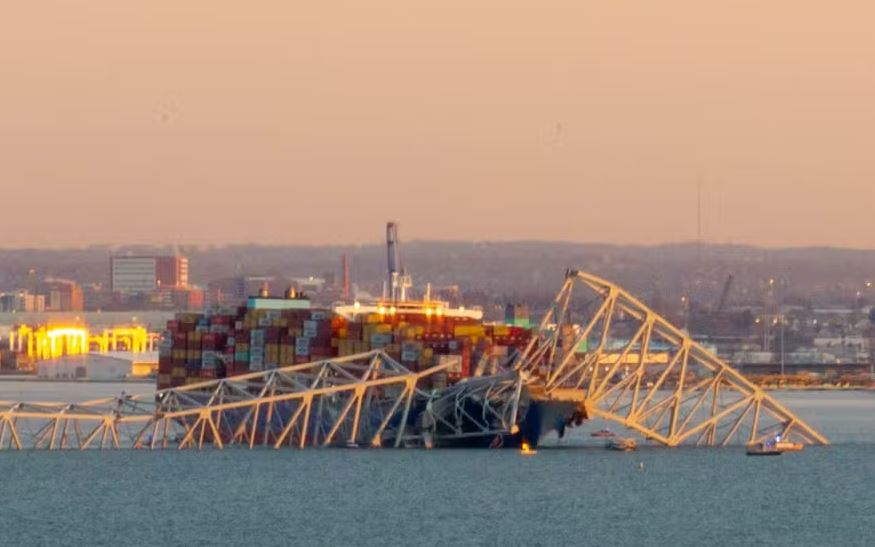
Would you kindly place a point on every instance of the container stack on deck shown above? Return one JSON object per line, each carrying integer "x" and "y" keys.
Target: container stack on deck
{"x": 202, "y": 346}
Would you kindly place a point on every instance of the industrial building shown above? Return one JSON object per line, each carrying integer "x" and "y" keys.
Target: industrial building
{"x": 98, "y": 367}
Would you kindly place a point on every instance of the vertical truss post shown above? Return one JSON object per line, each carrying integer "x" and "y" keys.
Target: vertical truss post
{"x": 402, "y": 427}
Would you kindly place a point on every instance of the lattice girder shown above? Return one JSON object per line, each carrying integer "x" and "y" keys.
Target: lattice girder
{"x": 362, "y": 399}
{"x": 638, "y": 370}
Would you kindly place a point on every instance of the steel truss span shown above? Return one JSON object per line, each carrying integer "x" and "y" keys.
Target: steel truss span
{"x": 487, "y": 407}
{"x": 598, "y": 353}
{"x": 359, "y": 400}
{"x": 630, "y": 366}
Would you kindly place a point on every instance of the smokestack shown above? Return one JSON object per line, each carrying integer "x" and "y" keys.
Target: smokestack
{"x": 392, "y": 255}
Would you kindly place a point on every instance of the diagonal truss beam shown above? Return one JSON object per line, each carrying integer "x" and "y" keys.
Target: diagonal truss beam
{"x": 365, "y": 398}
{"x": 641, "y": 371}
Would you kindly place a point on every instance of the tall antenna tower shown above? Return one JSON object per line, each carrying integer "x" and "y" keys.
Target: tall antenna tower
{"x": 699, "y": 212}
{"x": 344, "y": 265}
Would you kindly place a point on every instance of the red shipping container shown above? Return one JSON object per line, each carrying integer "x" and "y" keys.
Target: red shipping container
{"x": 165, "y": 364}
{"x": 466, "y": 360}
{"x": 208, "y": 342}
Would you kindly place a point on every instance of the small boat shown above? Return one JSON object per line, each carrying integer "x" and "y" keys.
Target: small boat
{"x": 774, "y": 446}
{"x": 624, "y": 445}
{"x": 603, "y": 434}
{"x": 527, "y": 450}
{"x": 763, "y": 449}
{"x": 788, "y": 446}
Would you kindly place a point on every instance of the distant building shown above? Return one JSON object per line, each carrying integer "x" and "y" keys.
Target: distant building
{"x": 171, "y": 272}
{"x": 191, "y": 298}
{"x": 224, "y": 291}
{"x": 22, "y": 301}
{"x": 95, "y": 366}
{"x": 63, "y": 295}
{"x": 96, "y": 297}
{"x": 143, "y": 274}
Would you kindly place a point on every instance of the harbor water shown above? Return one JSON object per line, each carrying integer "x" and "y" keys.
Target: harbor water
{"x": 572, "y": 492}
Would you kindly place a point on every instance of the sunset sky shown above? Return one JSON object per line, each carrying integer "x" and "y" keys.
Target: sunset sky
{"x": 211, "y": 121}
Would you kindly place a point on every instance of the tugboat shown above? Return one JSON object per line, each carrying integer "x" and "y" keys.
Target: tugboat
{"x": 603, "y": 434}
{"x": 763, "y": 449}
{"x": 621, "y": 444}
{"x": 774, "y": 446}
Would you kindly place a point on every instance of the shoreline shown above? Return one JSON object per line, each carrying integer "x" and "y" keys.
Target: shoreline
{"x": 37, "y": 379}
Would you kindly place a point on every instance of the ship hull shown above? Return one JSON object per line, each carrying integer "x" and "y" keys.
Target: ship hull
{"x": 541, "y": 418}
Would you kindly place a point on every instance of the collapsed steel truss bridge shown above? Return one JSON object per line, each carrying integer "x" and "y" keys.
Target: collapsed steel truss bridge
{"x": 357, "y": 400}
{"x": 597, "y": 347}
{"x": 628, "y": 365}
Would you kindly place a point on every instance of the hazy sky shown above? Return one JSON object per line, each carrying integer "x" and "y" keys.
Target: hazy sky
{"x": 204, "y": 121}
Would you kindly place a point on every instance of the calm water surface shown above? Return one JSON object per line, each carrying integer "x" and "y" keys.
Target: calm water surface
{"x": 568, "y": 494}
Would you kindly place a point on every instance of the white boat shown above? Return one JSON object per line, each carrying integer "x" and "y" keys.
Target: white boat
{"x": 624, "y": 445}
{"x": 774, "y": 446}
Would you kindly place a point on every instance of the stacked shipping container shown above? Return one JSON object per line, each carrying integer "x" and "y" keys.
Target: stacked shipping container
{"x": 198, "y": 347}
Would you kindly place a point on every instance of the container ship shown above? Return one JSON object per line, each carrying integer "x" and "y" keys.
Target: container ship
{"x": 268, "y": 333}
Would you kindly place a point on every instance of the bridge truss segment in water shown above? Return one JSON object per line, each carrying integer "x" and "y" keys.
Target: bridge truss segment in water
{"x": 362, "y": 399}
{"x": 624, "y": 363}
